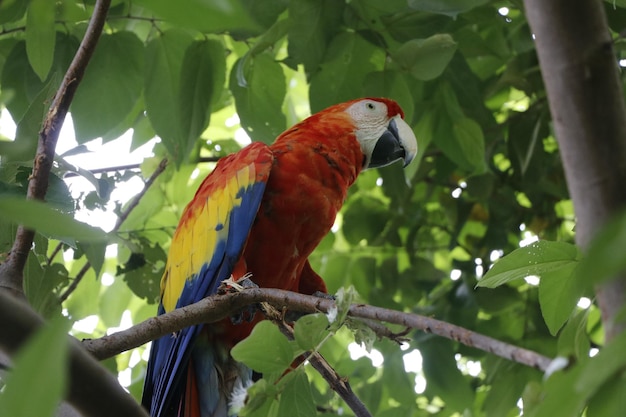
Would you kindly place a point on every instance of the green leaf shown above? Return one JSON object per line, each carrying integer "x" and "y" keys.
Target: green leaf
{"x": 604, "y": 258}
{"x": 608, "y": 362}
{"x": 364, "y": 218}
{"x": 142, "y": 132}
{"x": 40, "y": 36}
{"x": 202, "y": 80}
{"x": 443, "y": 376}
{"x": 459, "y": 137}
{"x": 59, "y": 195}
{"x": 558, "y": 294}
{"x": 261, "y": 396}
{"x": 27, "y": 134}
{"x": 115, "y": 77}
{"x": 270, "y": 37}
{"x": 12, "y": 10}
{"x": 142, "y": 272}
{"x": 85, "y": 299}
{"x": 94, "y": 251}
{"x": 259, "y": 98}
{"x": 504, "y": 393}
{"x": 266, "y": 12}
{"x": 310, "y": 330}
{"x": 205, "y": 16}
{"x": 266, "y": 350}
{"x": 471, "y": 144}
{"x": 40, "y": 370}
{"x": 447, "y": 7}
{"x": 535, "y": 259}
{"x": 426, "y": 59}
{"x": 573, "y": 339}
{"x": 400, "y": 384}
{"x": 162, "y": 90}
{"x": 312, "y": 24}
{"x": 362, "y": 274}
{"x": 424, "y": 133}
{"x": 610, "y": 400}
{"x": 113, "y": 302}
{"x": 43, "y": 218}
{"x": 39, "y": 289}
{"x": 559, "y": 399}
{"x": 363, "y": 334}
{"x": 20, "y": 81}
{"x": 341, "y": 77}
{"x": 344, "y": 298}
{"x": 297, "y": 399}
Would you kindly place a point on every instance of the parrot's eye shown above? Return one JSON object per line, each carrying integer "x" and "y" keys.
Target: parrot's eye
{"x": 370, "y": 105}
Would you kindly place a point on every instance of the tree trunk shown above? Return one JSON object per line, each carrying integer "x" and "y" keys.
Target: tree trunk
{"x": 585, "y": 94}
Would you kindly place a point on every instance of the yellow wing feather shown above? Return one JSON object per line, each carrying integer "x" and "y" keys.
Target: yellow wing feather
{"x": 206, "y": 220}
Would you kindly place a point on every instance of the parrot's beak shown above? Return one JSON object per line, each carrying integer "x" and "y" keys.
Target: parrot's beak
{"x": 397, "y": 142}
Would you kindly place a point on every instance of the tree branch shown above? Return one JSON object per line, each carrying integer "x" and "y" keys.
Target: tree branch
{"x": 133, "y": 203}
{"x": 11, "y": 271}
{"x": 584, "y": 91}
{"x": 338, "y": 384}
{"x": 218, "y": 307}
{"x": 203, "y": 159}
{"x": 92, "y": 390}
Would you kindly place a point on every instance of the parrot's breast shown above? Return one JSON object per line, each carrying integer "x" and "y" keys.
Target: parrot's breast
{"x": 306, "y": 188}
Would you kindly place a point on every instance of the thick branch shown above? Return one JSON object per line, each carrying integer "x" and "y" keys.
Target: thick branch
{"x": 92, "y": 390}
{"x": 587, "y": 105}
{"x": 11, "y": 275}
{"x": 218, "y": 307}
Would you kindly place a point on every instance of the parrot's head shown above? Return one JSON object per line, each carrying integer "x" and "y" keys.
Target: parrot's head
{"x": 381, "y": 131}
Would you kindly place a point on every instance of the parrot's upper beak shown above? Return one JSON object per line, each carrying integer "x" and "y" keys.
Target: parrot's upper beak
{"x": 397, "y": 142}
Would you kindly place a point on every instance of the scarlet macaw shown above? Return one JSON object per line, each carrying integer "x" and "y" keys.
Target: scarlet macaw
{"x": 262, "y": 211}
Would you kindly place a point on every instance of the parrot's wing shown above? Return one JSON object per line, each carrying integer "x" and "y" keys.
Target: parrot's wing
{"x": 208, "y": 242}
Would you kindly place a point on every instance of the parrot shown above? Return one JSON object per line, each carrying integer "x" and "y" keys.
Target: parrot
{"x": 260, "y": 213}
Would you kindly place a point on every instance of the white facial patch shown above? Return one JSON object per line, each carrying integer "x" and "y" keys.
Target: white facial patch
{"x": 370, "y": 119}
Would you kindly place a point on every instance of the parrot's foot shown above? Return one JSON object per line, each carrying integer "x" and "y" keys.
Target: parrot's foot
{"x": 246, "y": 314}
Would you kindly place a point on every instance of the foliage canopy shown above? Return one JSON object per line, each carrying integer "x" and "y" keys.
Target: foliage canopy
{"x": 198, "y": 74}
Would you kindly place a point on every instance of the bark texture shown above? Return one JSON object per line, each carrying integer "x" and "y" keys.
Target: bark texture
{"x": 584, "y": 90}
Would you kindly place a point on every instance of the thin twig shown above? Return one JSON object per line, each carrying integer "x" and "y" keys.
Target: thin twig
{"x": 133, "y": 203}
{"x": 54, "y": 253}
{"x": 12, "y": 270}
{"x": 77, "y": 279}
{"x": 338, "y": 384}
{"x": 152, "y": 20}
{"x": 70, "y": 174}
{"x": 220, "y": 306}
